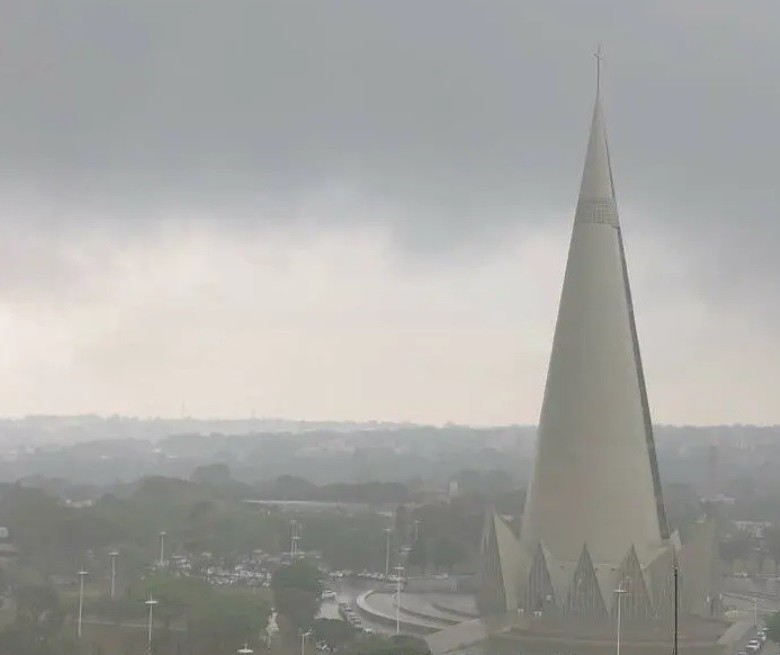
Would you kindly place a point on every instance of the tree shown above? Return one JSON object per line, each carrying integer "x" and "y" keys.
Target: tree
{"x": 214, "y": 619}
{"x": 297, "y": 593}
{"x": 417, "y": 556}
{"x": 333, "y": 632}
{"x": 772, "y": 544}
{"x": 773, "y": 627}
{"x": 447, "y": 552}
{"x": 737, "y": 547}
{"x": 38, "y": 624}
{"x": 38, "y": 610}
{"x": 177, "y": 595}
{"x": 213, "y": 474}
{"x": 347, "y": 542}
{"x": 399, "y": 645}
{"x": 214, "y": 626}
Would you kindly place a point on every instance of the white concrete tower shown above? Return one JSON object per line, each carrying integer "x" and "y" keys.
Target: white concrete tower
{"x": 594, "y": 517}
{"x": 595, "y": 480}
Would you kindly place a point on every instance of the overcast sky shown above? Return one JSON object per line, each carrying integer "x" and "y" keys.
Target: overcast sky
{"x": 360, "y": 210}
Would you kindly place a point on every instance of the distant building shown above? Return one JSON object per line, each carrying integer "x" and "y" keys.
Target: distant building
{"x": 753, "y": 528}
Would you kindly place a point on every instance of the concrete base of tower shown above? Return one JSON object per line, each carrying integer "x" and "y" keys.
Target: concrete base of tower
{"x": 512, "y": 633}
{"x": 542, "y": 636}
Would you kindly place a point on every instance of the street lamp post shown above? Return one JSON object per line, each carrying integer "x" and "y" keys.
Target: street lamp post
{"x": 399, "y": 571}
{"x": 755, "y": 611}
{"x": 162, "y": 546}
{"x": 113, "y": 555}
{"x": 82, "y": 574}
{"x": 388, "y": 531}
{"x": 293, "y": 540}
{"x": 619, "y": 592}
{"x": 304, "y": 634}
{"x": 150, "y": 604}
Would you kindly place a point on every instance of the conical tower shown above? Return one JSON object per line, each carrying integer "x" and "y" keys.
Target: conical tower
{"x": 595, "y": 480}
{"x": 594, "y": 517}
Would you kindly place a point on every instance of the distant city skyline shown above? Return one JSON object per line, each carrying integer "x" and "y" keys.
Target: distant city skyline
{"x": 362, "y": 215}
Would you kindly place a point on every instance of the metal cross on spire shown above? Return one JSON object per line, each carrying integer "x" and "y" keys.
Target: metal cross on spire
{"x": 599, "y": 55}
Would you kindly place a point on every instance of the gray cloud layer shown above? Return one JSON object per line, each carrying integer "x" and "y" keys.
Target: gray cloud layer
{"x": 467, "y": 109}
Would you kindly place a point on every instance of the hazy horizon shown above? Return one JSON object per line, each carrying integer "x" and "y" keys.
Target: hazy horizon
{"x": 344, "y": 421}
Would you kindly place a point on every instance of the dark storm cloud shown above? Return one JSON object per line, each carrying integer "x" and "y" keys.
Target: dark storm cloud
{"x": 459, "y": 116}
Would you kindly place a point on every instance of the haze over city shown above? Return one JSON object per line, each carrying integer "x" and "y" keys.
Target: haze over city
{"x": 389, "y": 328}
{"x": 357, "y": 210}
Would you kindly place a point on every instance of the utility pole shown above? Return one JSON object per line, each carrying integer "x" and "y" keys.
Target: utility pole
{"x": 304, "y": 634}
{"x": 150, "y": 604}
{"x": 755, "y": 611}
{"x": 676, "y": 606}
{"x": 82, "y": 574}
{"x": 399, "y": 571}
{"x": 619, "y": 591}
{"x": 388, "y": 532}
{"x": 112, "y": 590}
{"x": 293, "y": 540}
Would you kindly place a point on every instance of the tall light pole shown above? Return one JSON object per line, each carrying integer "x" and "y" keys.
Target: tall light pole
{"x": 619, "y": 592}
{"x": 82, "y": 574}
{"x": 293, "y": 540}
{"x": 112, "y": 589}
{"x": 399, "y": 571}
{"x": 676, "y": 574}
{"x": 388, "y": 532}
{"x": 755, "y": 611}
{"x": 304, "y": 634}
{"x": 162, "y": 546}
{"x": 150, "y": 604}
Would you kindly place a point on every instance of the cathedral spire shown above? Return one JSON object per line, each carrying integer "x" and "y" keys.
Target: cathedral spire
{"x": 594, "y": 430}
{"x": 597, "y": 190}
{"x": 599, "y": 56}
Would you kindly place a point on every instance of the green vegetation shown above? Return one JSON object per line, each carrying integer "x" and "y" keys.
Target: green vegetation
{"x": 212, "y": 619}
{"x": 216, "y": 622}
{"x": 375, "y": 645}
{"x": 772, "y": 545}
{"x": 37, "y": 627}
{"x": 773, "y": 627}
{"x": 297, "y": 591}
{"x": 289, "y": 487}
{"x": 333, "y": 632}
{"x": 449, "y": 534}
{"x": 205, "y": 519}
{"x": 207, "y": 514}
{"x": 54, "y": 539}
{"x": 347, "y": 542}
